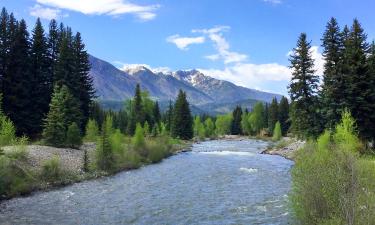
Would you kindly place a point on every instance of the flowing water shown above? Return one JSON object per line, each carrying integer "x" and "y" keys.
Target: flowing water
{"x": 218, "y": 182}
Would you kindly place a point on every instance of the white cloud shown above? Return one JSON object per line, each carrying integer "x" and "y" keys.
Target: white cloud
{"x": 45, "y": 12}
{"x": 319, "y": 60}
{"x": 221, "y": 45}
{"x": 184, "y": 42}
{"x": 275, "y": 2}
{"x": 104, "y": 7}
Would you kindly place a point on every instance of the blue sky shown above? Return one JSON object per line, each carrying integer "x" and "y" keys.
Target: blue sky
{"x": 243, "y": 41}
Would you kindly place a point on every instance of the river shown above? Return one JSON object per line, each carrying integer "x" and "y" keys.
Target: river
{"x": 218, "y": 182}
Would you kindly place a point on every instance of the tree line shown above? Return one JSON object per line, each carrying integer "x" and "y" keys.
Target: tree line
{"x": 348, "y": 82}
{"x": 261, "y": 120}
{"x": 34, "y": 67}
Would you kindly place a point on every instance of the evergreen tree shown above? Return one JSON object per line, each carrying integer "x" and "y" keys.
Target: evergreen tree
{"x": 17, "y": 79}
{"x": 169, "y": 117}
{"x": 156, "y": 113}
{"x": 264, "y": 115}
{"x": 371, "y": 74}
{"x": 236, "y": 122}
{"x": 273, "y": 115}
{"x": 361, "y": 91}
{"x": 105, "y": 159}
{"x": 182, "y": 125}
{"x": 41, "y": 78}
{"x": 303, "y": 90}
{"x": 4, "y": 43}
{"x": 73, "y": 136}
{"x": 136, "y": 111}
{"x": 64, "y": 110}
{"x": 92, "y": 131}
{"x": 86, "y": 91}
{"x": 53, "y": 44}
{"x": 284, "y": 115}
{"x": 332, "y": 88}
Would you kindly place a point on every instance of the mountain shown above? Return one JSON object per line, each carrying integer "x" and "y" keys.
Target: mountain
{"x": 205, "y": 93}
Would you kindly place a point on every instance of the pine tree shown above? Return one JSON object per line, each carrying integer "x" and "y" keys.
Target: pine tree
{"x": 360, "y": 101}
{"x": 182, "y": 125}
{"x": 86, "y": 91}
{"x": 303, "y": 90}
{"x": 332, "y": 87}
{"x": 64, "y": 110}
{"x": 17, "y": 78}
{"x": 73, "y": 136}
{"x": 53, "y": 44}
{"x": 156, "y": 113}
{"x": 169, "y": 117}
{"x": 273, "y": 115}
{"x": 42, "y": 79}
{"x": 92, "y": 131}
{"x": 371, "y": 74}
{"x": 284, "y": 115}
{"x": 105, "y": 159}
{"x": 136, "y": 112}
{"x": 236, "y": 122}
{"x": 4, "y": 43}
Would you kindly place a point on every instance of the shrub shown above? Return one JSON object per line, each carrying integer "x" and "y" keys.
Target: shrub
{"x": 331, "y": 183}
{"x": 92, "y": 131}
{"x": 117, "y": 141}
{"x": 19, "y": 149}
{"x": 86, "y": 162}
{"x": 7, "y": 130}
{"x": 104, "y": 154}
{"x": 73, "y": 136}
{"x": 277, "y": 132}
{"x": 51, "y": 169}
{"x": 138, "y": 141}
{"x": 157, "y": 150}
{"x": 146, "y": 129}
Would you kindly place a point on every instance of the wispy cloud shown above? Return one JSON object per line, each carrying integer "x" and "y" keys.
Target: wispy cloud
{"x": 275, "y": 2}
{"x": 104, "y": 7}
{"x": 221, "y": 45}
{"x": 184, "y": 42}
{"x": 45, "y": 12}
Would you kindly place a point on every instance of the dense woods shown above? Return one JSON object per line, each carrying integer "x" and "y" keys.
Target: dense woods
{"x": 333, "y": 178}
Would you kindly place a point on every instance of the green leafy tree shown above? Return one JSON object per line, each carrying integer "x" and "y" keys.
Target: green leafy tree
{"x": 73, "y": 136}
{"x": 138, "y": 140}
{"x": 209, "y": 127}
{"x": 256, "y": 118}
{"x": 105, "y": 159}
{"x": 277, "y": 132}
{"x": 7, "y": 129}
{"x": 245, "y": 124}
{"x": 146, "y": 129}
{"x": 303, "y": 90}
{"x": 182, "y": 126}
{"x": 223, "y": 124}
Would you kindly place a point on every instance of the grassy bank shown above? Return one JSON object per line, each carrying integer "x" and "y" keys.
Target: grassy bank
{"x": 27, "y": 168}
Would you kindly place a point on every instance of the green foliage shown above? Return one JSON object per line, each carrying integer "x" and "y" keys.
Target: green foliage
{"x": 138, "y": 141}
{"x": 273, "y": 115}
{"x": 303, "y": 90}
{"x": 284, "y": 115}
{"x": 104, "y": 154}
{"x": 236, "y": 122}
{"x": 209, "y": 127}
{"x": 64, "y": 110}
{"x": 157, "y": 149}
{"x": 199, "y": 129}
{"x": 277, "y": 132}
{"x": 223, "y": 124}
{"x": 182, "y": 123}
{"x": 73, "y": 136}
{"x": 51, "y": 169}
{"x": 245, "y": 124}
{"x": 86, "y": 162}
{"x": 108, "y": 125}
{"x": 117, "y": 141}
{"x": 146, "y": 129}
{"x": 92, "y": 131}
{"x": 331, "y": 183}
{"x": 256, "y": 119}
{"x": 7, "y": 131}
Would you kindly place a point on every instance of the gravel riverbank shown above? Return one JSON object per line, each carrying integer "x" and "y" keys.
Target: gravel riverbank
{"x": 287, "y": 148}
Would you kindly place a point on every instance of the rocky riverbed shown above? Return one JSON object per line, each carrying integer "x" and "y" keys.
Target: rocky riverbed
{"x": 287, "y": 147}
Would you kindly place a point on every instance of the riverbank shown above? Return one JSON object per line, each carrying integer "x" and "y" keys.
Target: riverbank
{"x": 35, "y": 160}
{"x": 287, "y": 147}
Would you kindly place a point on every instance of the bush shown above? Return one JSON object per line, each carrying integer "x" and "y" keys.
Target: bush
{"x": 277, "y": 132}
{"x": 331, "y": 183}
{"x": 19, "y": 149}
{"x": 86, "y": 162}
{"x": 7, "y": 131}
{"x": 92, "y": 131}
{"x": 104, "y": 155}
{"x": 51, "y": 169}
{"x": 157, "y": 149}
{"x": 138, "y": 141}
{"x": 73, "y": 136}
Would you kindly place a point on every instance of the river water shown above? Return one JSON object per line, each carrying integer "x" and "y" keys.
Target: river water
{"x": 218, "y": 182}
